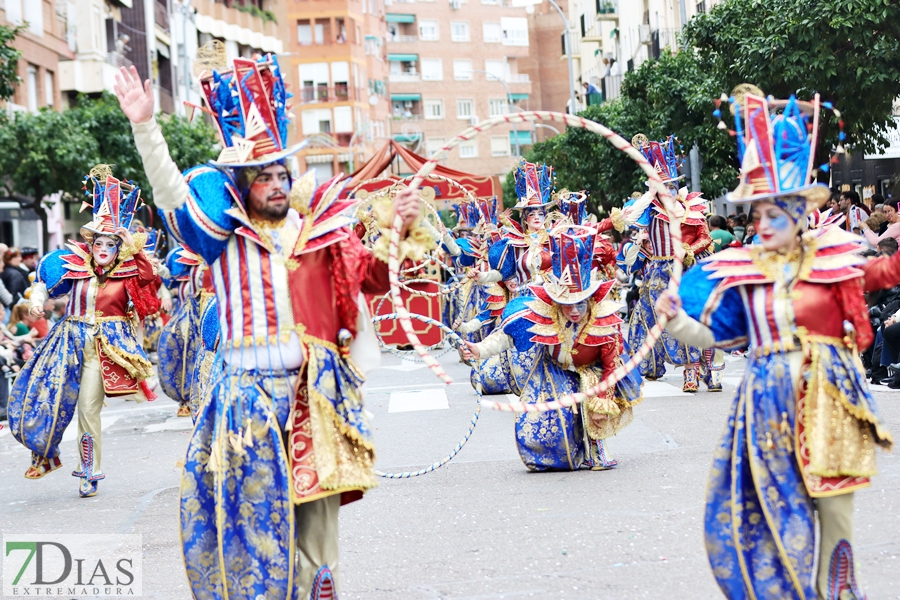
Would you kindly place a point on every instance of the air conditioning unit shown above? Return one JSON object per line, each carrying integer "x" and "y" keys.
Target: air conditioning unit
{"x": 473, "y": 121}
{"x": 645, "y": 33}
{"x": 407, "y": 104}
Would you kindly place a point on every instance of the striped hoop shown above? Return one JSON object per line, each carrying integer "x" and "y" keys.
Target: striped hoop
{"x": 655, "y": 184}
{"x": 436, "y": 465}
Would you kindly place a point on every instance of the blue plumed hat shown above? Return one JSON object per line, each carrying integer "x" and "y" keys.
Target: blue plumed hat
{"x": 573, "y": 205}
{"x": 113, "y": 202}
{"x": 248, "y": 104}
{"x": 534, "y": 185}
{"x": 665, "y": 155}
{"x": 467, "y": 215}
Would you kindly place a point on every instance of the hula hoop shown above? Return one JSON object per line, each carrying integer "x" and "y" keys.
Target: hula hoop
{"x": 655, "y": 184}
{"x": 408, "y": 355}
{"x": 438, "y": 464}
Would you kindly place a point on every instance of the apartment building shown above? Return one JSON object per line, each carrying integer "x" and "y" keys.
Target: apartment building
{"x": 613, "y": 37}
{"x": 546, "y": 64}
{"x": 455, "y": 63}
{"x": 48, "y": 38}
{"x": 338, "y": 69}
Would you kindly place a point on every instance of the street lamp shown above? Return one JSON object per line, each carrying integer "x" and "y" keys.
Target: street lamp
{"x": 568, "y": 54}
{"x": 508, "y": 101}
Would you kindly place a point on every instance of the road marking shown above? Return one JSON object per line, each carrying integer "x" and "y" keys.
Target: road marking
{"x": 71, "y": 433}
{"x": 408, "y": 365}
{"x": 171, "y": 424}
{"x": 662, "y": 389}
{"x": 418, "y": 400}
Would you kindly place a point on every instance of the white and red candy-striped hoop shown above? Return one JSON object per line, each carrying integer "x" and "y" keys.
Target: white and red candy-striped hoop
{"x": 655, "y": 184}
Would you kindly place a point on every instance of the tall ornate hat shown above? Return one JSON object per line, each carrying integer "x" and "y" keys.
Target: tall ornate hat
{"x": 573, "y": 205}
{"x": 573, "y": 278}
{"x": 248, "y": 104}
{"x": 488, "y": 209}
{"x": 665, "y": 156}
{"x": 776, "y": 147}
{"x": 113, "y": 202}
{"x": 467, "y": 215}
{"x": 534, "y": 185}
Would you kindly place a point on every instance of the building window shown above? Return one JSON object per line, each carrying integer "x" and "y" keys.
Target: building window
{"x": 701, "y": 7}
{"x": 465, "y": 108}
{"x": 428, "y": 30}
{"x": 468, "y": 149}
{"x": 432, "y": 69}
{"x": 515, "y": 31}
{"x": 497, "y": 107}
{"x": 459, "y": 31}
{"x": 32, "y": 88}
{"x": 34, "y": 15}
{"x": 304, "y": 33}
{"x": 434, "y": 109}
{"x": 432, "y": 145}
{"x": 499, "y": 145}
{"x": 462, "y": 69}
{"x": 490, "y": 1}
{"x": 496, "y": 70}
{"x": 492, "y": 33}
{"x": 98, "y": 30}
{"x": 49, "y": 96}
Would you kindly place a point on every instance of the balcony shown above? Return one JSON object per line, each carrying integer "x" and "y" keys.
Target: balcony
{"x": 517, "y": 78}
{"x": 611, "y": 86}
{"x": 402, "y": 39}
{"x": 311, "y": 94}
{"x": 607, "y": 10}
{"x": 576, "y": 44}
{"x": 405, "y": 77}
{"x": 591, "y": 32}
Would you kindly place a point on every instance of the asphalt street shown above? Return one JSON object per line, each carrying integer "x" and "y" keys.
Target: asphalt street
{"x": 480, "y": 527}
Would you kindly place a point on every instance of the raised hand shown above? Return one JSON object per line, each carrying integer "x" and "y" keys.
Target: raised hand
{"x": 135, "y": 100}
{"x": 406, "y": 203}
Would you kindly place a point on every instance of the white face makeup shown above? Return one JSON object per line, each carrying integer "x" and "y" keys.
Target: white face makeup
{"x": 776, "y": 229}
{"x": 534, "y": 218}
{"x": 104, "y": 249}
{"x": 575, "y": 312}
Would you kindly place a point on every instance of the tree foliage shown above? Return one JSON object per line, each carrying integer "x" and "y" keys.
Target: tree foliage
{"x": 48, "y": 151}
{"x": 847, "y": 50}
{"x": 9, "y": 61}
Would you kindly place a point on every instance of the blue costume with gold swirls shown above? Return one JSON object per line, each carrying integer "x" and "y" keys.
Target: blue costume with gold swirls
{"x": 803, "y": 428}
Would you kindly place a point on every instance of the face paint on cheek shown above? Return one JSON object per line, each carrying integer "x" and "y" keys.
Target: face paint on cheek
{"x": 781, "y": 223}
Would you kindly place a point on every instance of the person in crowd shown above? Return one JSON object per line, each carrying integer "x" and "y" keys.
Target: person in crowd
{"x": 721, "y": 237}
{"x": 878, "y": 208}
{"x": 23, "y": 322}
{"x": 590, "y": 88}
{"x": 892, "y": 218}
{"x": 13, "y": 278}
{"x": 749, "y": 235}
{"x": 855, "y": 213}
{"x": 740, "y": 227}
{"x": 30, "y": 257}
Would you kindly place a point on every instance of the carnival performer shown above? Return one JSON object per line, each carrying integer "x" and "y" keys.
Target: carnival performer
{"x": 154, "y": 323}
{"x": 93, "y": 352}
{"x": 574, "y": 334}
{"x": 657, "y": 270}
{"x": 282, "y": 439}
{"x": 802, "y": 435}
{"x": 179, "y": 342}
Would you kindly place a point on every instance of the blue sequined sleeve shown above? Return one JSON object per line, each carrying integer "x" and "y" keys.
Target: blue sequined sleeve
{"x": 501, "y": 257}
{"x": 720, "y": 310}
{"x": 515, "y": 325}
{"x": 50, "y": 272}
{"x": 202, "y": 222}
{"x": 209, "y": 325}
{"x": 467, "y": 256}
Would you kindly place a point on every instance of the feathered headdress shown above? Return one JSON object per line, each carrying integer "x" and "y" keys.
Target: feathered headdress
{"x": 113, "y": 202}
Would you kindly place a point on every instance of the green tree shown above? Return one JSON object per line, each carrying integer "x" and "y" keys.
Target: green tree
{"x": 847, "y": 50}
{"x": 9, "y": 61}
{"x": 671, "y": 95}
{"x": 48, "y": 152}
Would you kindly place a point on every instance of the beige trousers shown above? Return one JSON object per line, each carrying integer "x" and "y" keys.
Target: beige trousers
{"x": 90, "y": 401}
{"x": 836, "y": 519}
{"x": 317, "y": 541}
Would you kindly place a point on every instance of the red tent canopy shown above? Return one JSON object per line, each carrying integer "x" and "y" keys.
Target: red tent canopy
{"x": 444, "y": 192}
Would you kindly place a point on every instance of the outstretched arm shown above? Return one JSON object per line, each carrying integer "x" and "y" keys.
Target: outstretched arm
{"x": 170, "y": 191}
{"x": 881, "y": 273}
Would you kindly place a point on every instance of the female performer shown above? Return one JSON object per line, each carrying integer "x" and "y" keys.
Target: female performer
{"x": 804, "y": 427}
{"x": 93, "y": 352}
{"x": 573, "y": 334}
